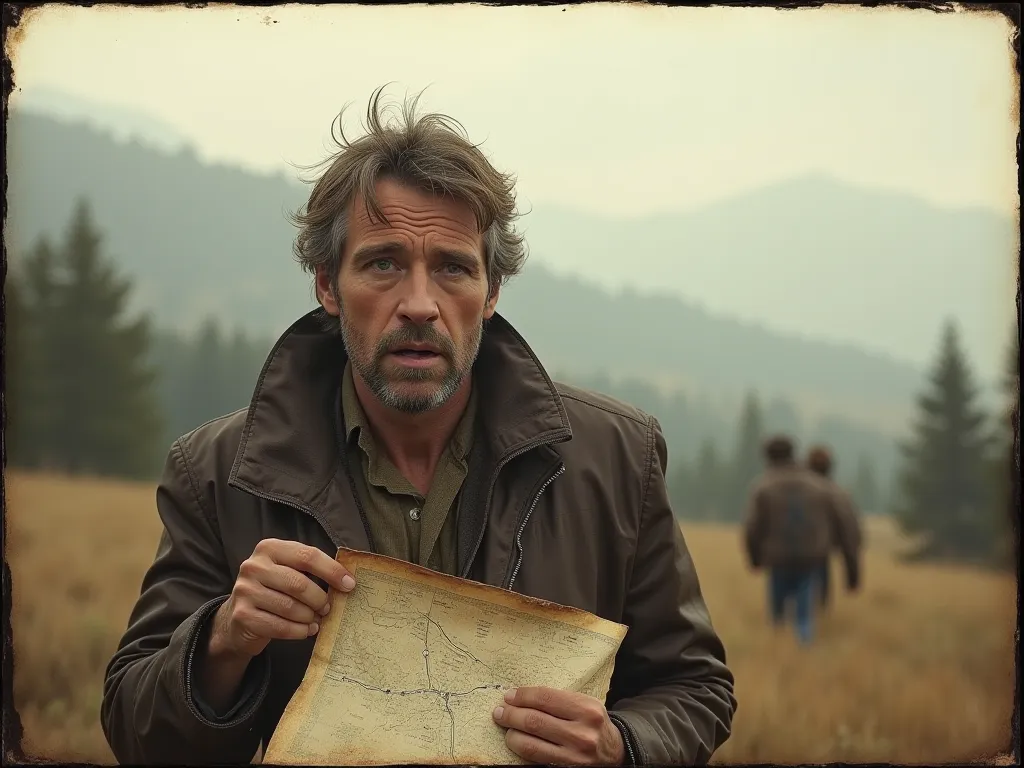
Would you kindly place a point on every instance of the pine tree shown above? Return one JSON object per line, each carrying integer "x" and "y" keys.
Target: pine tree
{"x": 32, "y": 292}
{"x": 17, "y": 376}
{"x": 942, "y": 493}
{"x": 746, "y": 461}
{"x": 104, "y": 404}
{"x": 206, "y": 374}
{"x": 1004, "y": 468}
{"x": 707, "y": 483}
{"x": 865, "y": 488}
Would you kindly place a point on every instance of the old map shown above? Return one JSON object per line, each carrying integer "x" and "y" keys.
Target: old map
{"x": 408, "y": 667}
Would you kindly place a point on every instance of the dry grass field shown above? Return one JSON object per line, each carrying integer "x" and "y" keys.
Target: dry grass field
{"x": 916, "y": 667}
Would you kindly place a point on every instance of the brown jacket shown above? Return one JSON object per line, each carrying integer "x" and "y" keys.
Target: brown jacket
{"x": 849, "y": 517}
{"x": 794, "y": 520}
{"x": 565, "y": 500}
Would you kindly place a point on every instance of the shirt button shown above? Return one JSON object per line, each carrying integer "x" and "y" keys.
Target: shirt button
{"x": 414, "y": 513}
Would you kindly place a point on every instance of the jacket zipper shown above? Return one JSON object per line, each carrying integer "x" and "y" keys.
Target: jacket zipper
{"x": 628, "y": 737}
{"x": 490, "y": 491}
{"x": 190, "y": 643}
{"x": 519, "y": 533}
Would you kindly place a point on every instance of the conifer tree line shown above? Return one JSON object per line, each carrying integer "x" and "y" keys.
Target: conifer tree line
{"x": 714, "y": 485}
{"x": 89, "y": 389}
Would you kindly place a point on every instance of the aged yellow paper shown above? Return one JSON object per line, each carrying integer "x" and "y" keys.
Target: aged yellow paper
{"x": 408, "y": 667}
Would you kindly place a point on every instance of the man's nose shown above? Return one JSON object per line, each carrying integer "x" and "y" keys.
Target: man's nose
{"x": 418, "y": 304}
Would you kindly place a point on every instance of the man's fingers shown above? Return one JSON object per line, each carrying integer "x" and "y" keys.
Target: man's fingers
{"x": 537, "y": 750}
{"x": 536, "y": 723}
{"x": 566, "y": 705}
{"x": 293, "y": 584}
{"x": 257, "y": 624}
{"x": 307, "y": 559}
{"x": 286, "y": 606}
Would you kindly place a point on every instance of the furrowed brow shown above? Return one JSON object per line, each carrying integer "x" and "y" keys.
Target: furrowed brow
{"x": 463, "y": 258}
{"x": 374, "y": 250}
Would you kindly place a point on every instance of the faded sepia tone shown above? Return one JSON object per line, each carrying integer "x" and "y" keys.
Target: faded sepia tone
{"x": 744, "y": 221}
{"x": 425, "y": 657}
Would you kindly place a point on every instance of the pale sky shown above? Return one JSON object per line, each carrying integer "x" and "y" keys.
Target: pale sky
{"x": 617, "y": 109}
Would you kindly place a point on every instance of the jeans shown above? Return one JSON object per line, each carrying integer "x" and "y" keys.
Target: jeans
{"x": 794, "y": 586}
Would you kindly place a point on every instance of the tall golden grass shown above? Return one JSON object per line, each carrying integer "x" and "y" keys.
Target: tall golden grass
{"x": 916, "y": 667}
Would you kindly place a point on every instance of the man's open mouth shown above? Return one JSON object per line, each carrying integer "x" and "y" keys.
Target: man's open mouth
{"x": 415, "y": 354}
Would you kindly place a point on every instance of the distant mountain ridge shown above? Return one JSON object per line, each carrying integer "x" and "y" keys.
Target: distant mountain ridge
{"x": 213, "y": 240}
{"x": 854, "y": 251}
{"x": 123, "y": 122}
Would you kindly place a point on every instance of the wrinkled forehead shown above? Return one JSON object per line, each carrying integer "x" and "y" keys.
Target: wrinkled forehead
{"x": 415, "y": 212}
{"x": 401, "y": 201}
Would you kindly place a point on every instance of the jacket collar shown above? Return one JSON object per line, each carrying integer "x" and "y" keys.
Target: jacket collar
{"x": 289, "y": 449}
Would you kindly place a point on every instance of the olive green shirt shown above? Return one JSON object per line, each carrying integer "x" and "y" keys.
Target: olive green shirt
{"x": 405, "y": 524}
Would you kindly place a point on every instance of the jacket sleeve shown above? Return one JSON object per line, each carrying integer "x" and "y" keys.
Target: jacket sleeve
{"x": 846, "y": 533}
{"x": 149, "y": 711}
{"x": 671, "y": 692}
{"x": 853, "y": 519}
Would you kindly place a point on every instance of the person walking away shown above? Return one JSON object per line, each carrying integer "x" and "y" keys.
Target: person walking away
{"x": 820, "y": 461}
{"x": 791, "y": 521}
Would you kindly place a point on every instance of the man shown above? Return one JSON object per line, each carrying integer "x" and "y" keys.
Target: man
{"x": 791, "y": 523}
{"x": 407, "y": 417}
{"x": 819, "y": 461}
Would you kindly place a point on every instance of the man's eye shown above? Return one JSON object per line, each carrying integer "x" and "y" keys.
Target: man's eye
{"x": 454, "y": 269}
{"x": 381, "y": 265}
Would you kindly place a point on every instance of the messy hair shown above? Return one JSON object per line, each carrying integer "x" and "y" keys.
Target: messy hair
{"x": 778, "y": 449}
{"x": 430, "y": 152}
{"x": 819, "y": 459}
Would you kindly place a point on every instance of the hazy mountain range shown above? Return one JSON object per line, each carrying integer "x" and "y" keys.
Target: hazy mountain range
{"x": 816, "y": 257}
{"x": 213, "y": 240}
{"x": 810, "y": 256}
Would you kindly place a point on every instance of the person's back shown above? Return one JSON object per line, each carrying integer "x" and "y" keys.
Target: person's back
{"x": 794, "y": 528}
{"x": 792, "y": 522}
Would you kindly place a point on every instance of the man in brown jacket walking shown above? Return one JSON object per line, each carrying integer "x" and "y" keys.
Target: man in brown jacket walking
{"x": 819, "y": 461}
{"x": 792, "y": 521}
{"x": 406, "y": 417}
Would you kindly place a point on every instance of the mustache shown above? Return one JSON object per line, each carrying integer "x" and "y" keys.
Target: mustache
{"x": 421, "y": 334}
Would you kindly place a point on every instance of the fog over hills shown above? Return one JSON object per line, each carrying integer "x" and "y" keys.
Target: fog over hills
{"x": 812, "y": 256}
{"x": 204, "y": 240}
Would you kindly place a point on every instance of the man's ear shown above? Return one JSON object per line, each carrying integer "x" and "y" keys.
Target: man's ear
{"x": 326, "y": 292}
{"x": 492, "y": 302}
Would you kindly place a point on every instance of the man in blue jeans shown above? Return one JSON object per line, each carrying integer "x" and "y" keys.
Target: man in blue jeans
{"x": 792, "y": 521}
{"x": 793, "y": 586}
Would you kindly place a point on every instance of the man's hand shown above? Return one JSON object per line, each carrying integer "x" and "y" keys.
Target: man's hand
{"x": 546, "y": 725}
{"x": 273, "y": 599}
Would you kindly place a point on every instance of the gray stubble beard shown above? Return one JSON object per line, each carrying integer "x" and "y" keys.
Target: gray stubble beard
{"x": 367, "y": 364}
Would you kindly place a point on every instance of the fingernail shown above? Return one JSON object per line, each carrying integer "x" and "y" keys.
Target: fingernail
{"x": 314, "y": 628}
{"x": 347, "y": 582}
{"x": 498, "y": 712}
{"x": 510, "y": 695}
{"x": 325, "y": 609}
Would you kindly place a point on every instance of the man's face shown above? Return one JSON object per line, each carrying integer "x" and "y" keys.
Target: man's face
{"x": 414, "y": 296}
